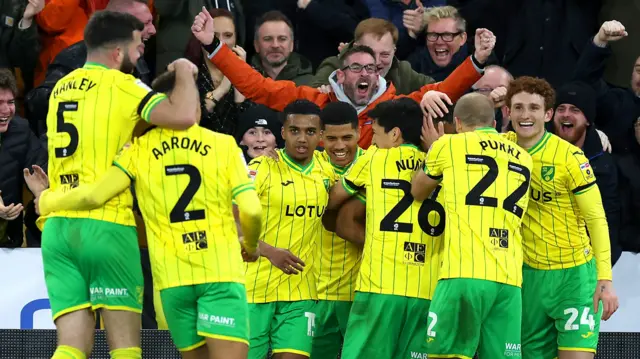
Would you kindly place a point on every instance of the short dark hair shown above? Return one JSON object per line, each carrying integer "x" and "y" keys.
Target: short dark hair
{"x": 272, "y": 16}
{"x": 300, "y": 107}
{"x": 8, "y": 81}
{"x": 355, "y": 49}
{"x": 403, "y": 113}
{"x": 339, "y": 113}
{"x": 109, "y": 27}
{"x": 165, "y": 82}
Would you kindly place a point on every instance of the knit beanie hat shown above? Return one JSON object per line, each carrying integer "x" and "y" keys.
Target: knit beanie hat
{"x": 580, "y": 95}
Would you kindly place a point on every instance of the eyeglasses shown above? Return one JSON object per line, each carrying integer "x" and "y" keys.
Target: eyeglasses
{"x": 446, "y": 36}
{"x": 482, "y": 90}
{"x": 356, "y": 68}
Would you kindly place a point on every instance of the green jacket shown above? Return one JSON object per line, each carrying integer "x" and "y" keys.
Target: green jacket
{"x": 298, "y": 69}
{"x": 401, "y": 75}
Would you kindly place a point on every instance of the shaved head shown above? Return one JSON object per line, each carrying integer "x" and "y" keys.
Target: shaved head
{"x": 475, "y": 110}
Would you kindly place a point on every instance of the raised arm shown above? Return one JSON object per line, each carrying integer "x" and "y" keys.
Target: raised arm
{"x": 179, "y": 110}
{"x": 468, "y": 73}
{"x": 255, "y": 87}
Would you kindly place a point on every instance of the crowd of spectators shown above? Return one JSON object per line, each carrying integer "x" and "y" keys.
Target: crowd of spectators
{"x": 415, "y": 43}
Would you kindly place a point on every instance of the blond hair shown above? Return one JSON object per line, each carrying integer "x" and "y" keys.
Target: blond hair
{"x": 436, "y": 13}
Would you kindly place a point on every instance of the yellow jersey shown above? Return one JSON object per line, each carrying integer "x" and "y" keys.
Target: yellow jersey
{"x": 293, "y": 201}
{"x": 185, "y": 181}
{"x": 400, "y": 255}
{"x": 338, "y": 260}
{"x": 554, "y": 231}
{"x": 92, "y": 114}
{"x": 486, "y": 183}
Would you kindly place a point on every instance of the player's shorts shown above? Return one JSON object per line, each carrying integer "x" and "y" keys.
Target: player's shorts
{"x": 91, "y": 264}
{"x": 332, "y": 317}
{"x": 469, "y": 315}
{"x": 557, "y": 311}
{"x": 289, "y": 325}
{"x": 211, "y": 310}
{"x": 386, "y": 326}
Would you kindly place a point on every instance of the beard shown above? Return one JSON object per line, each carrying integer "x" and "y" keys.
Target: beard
{"x": 351, "y": 90}
{"x": 127, "y": 65}
{"x": 276, "y": 63}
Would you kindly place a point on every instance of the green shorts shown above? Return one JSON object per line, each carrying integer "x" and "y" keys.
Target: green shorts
{"x": 386, "y": 326}
{"x": 289, "y": 326}
{"x": 469, "y": 315}
{"x": 557, "y": 311}
{"x": 332, "y": 317}
{"x": 91, "y": 264}
{"x": 212, "y": 310}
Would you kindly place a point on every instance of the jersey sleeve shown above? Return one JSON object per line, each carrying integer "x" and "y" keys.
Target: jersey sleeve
{"x": 126, "y": 159}
{"x": 580, "y": 177}
{"x": 239, "y": 176}
{"x": 259, "y": 173}
{"x": 355, "y": 178}
{"x": 436, "y": 158}
{"x": 141, "y": 97}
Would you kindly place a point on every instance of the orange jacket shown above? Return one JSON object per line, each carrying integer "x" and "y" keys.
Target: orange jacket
{"x": 62, "y": 24}
{"x": 278, "y": 94}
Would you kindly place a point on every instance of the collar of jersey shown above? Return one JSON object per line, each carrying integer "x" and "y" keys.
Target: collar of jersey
{"x": 409, "y": 145}
{"x": 94, "y": 65}
{"x": 341, "y": 170}
{"x": 486, "y": 129}
{"x": 538, "y": 146}
{"x": 296, "y": 166}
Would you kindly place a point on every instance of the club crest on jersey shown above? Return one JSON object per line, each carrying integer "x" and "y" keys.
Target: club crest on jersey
{"x": 253, "y": 174}
{"x": 548, "y": 172}
{"x": 326, "y": 184}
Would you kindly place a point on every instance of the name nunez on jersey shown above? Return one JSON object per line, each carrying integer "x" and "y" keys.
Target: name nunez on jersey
{"x": 410, "y": 164}
{"x": 184, "y": 143}
{"x": 495, "y": 145}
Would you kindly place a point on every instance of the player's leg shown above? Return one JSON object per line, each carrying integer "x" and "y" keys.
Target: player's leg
{"x": 223, "y": 319}
{"x": 500, "y": 336}
{"x": 411, "y": 343}
{"x": 374, "y": 322}
{"x": 292, "y": 329}
{"x": 261, "y": 317}
{"x": 455, "y": 318}
{"x": 327, "y": 338}
{"x": 576, "y": 321}
{"x": 539, "y": 334}
{"x": 180, "y": 306}
{"x": 112, "y": 261}
{"x": 67, "y": 289}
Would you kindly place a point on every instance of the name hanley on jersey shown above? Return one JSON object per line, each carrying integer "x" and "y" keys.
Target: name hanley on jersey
{"x": 75, "y": 84}
{"x": 184, "y": 143}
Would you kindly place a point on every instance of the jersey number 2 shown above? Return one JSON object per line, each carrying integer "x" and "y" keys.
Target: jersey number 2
{"x": 68, "y": 128}
{"x": 475, "y": 197}
{"x": 179, "y": 212}
{"x": 389, "y": 224}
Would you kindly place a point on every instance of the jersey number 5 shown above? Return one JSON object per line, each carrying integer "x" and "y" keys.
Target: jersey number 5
{"x": 475, "y": 197}
{"x": 68, "y": 128}
{"x": 389, "y": 224}
{"x": 179, "y": 212}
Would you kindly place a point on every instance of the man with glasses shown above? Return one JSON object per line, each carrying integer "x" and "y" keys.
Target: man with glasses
{"x": 382, "y": 37}
{"x": 445, "y": 48}
{"x": 357, "y": 82}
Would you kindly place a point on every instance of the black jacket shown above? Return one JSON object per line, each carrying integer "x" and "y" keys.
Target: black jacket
{"x": 604, "y": 168}
{"x": 541, "y": 38}
{"x": 19, "y": 148}
{"x": 69, "y": 59}
{"x": 617, "y": 108}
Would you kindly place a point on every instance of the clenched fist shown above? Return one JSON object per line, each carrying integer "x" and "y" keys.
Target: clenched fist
{"x": 610, "y": 31}
{"x": 485, "y": 41}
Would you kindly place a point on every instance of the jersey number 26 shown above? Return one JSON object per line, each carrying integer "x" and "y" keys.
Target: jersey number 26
{"x": 389, "y": 224}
